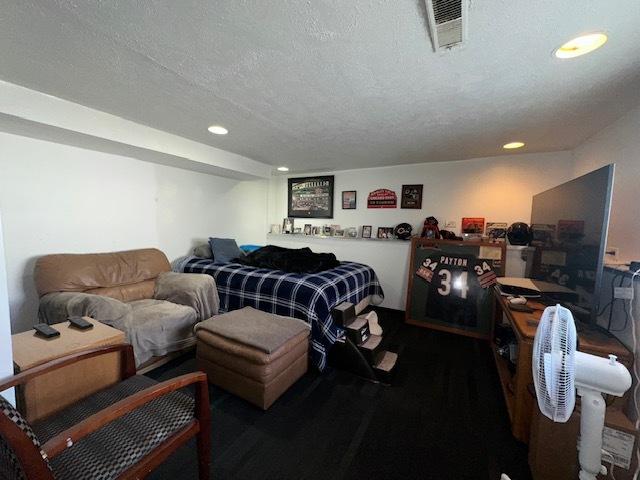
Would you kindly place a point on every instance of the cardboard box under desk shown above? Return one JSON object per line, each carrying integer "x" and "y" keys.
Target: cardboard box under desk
{"x": 553, "y": 453}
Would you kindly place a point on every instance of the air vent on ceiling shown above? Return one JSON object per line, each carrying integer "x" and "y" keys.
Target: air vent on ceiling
{"x": 447, "y": 22}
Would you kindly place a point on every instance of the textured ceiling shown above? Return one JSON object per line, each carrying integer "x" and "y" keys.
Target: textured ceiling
{"x": 331, "y": 84}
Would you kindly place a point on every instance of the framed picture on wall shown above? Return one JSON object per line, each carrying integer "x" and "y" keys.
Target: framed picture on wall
{"x": 349, "y": 200}
{"x": 411, "y": 196}
{"x": 311, "y": 197}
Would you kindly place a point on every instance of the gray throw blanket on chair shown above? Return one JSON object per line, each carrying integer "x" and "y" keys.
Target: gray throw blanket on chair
{"x": 191, "y": 289}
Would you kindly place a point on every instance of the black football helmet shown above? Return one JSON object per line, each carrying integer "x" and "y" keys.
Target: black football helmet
{"x": 519, "y": 233}
{"x": 403, "y": 231}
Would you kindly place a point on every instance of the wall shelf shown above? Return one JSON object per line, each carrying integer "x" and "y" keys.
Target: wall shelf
{"x": 300, "y": 237}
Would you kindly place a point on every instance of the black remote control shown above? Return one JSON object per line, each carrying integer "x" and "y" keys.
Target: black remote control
{"x": 46, "y": 331}
{"x": 80, "y": 323}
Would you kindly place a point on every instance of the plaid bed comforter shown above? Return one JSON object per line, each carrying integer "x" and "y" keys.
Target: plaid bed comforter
{"x": 310, "y": 297}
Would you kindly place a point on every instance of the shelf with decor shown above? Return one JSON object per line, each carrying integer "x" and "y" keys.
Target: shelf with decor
{"x": 303, "y": 237}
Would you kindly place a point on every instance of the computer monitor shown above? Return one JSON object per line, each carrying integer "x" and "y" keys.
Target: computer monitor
{"x": 570, "y": 224}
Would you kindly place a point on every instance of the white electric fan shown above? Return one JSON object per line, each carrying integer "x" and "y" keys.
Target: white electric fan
{"x": 559, "y": 370}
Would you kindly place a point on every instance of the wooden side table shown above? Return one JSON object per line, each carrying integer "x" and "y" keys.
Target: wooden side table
{"x": 53, "y": 391}
{"x": 520, "y": 402}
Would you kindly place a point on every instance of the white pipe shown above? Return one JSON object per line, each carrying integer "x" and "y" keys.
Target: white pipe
{"x": 591, "y": 426}
{"x": 604, "y": 375}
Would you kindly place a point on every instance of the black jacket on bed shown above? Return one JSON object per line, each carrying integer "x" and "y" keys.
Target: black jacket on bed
{"x": 292, "y": 260}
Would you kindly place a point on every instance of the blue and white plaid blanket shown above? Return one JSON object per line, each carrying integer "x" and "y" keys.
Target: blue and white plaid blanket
{"x": 310, "y": 297}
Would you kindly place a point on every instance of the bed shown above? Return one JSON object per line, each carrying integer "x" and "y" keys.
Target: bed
{"x": 310, "y": 297}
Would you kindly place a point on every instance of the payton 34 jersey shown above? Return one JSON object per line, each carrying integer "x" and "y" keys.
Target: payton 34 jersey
{"x": 457, "y": 286}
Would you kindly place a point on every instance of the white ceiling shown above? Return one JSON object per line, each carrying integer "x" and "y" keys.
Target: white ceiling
{"x": 332, "y": 84}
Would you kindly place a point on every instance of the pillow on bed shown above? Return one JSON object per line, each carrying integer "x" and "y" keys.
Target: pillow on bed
{"x": 203, "y": 251}
{"x": 225, "y": 249}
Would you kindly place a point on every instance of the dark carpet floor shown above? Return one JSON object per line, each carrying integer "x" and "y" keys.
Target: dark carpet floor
{"x": 442, "y": 418}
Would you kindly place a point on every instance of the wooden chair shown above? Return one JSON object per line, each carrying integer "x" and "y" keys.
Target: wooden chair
{"x": 124, "y": 431}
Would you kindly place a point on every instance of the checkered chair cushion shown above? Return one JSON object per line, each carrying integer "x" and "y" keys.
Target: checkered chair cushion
{"x": 108, "y": 452}
{"x": 10, "y": 467}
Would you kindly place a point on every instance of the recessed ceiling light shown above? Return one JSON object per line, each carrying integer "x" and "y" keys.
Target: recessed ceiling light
{"x": 512, "y": 145}
{"x": 581, "y": 45}
{"x": 283, "y": 169}
{"x": 218, "y": 130}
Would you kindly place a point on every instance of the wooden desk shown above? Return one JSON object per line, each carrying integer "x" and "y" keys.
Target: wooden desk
{"x": 56, "y": 390}
{"x": 519, "y": 401}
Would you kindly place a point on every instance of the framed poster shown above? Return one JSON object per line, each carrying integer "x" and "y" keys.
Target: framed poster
{"x": 450, "y": 285}
{"x": 411, "y": 196}
{"x": 496, "y": 231}
{"x": 472, "y": 225}
{"x": 382, "y": 198}
{"x": 349, "y": 200}
{"x": 311, "y": 197}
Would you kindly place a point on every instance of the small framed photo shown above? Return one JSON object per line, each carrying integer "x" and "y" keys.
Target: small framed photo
{"x": 307, "y": 229}
{"x": 366, "y": 231}
{"x": 287, "y": 225}
{"x": 326, "y": 231}
{"x": 351, "y": 232}
{"x": 297, "y": 230}
{"x": 275, "y": 228}
{"x": 411, "y": 196}
{"x": 349, "y": 200}
{"x": 385, "y": 232}
{"x": 316, "y": 231}
{"x": 338, "y": 232}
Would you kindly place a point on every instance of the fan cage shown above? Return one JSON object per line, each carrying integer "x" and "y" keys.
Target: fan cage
{"x": 554, "y": 363}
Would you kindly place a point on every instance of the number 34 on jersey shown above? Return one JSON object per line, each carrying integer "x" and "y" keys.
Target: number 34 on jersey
{"x": 452, "y": 274}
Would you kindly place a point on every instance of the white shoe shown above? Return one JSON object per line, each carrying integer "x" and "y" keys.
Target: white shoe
{"x": 374, "y": 326}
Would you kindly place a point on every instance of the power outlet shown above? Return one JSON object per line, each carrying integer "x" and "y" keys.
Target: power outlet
{"x": 623, "y": 293}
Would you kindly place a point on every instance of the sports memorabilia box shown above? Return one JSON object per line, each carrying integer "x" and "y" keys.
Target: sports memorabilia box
{"x": 450, "y": 285}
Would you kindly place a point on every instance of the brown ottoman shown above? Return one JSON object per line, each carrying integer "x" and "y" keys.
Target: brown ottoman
{"x": 253, "y": 354}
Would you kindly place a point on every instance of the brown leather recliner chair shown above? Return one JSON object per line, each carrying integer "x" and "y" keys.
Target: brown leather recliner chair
{"x": 133, "y": 291}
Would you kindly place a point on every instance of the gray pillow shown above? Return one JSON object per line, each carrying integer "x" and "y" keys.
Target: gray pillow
{"x": 224, "y": 249}
{"x": 203, "y": 251}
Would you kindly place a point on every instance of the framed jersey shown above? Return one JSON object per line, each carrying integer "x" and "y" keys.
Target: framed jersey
{"x": 450, "y": 284}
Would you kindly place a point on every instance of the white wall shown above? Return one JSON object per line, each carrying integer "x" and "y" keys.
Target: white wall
{"x": 620, "y": 144}
{"x": 389, "y": 259}
{"x": 498, "y": 188}
{"x": 56, "y": 198}
{"x": 6, "y": 357}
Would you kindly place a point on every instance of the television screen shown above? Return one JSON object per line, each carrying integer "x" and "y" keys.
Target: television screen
{"x": 570, "y": 224}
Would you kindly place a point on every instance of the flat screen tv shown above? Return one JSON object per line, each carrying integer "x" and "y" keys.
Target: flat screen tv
{"x": 570, "y": 224}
